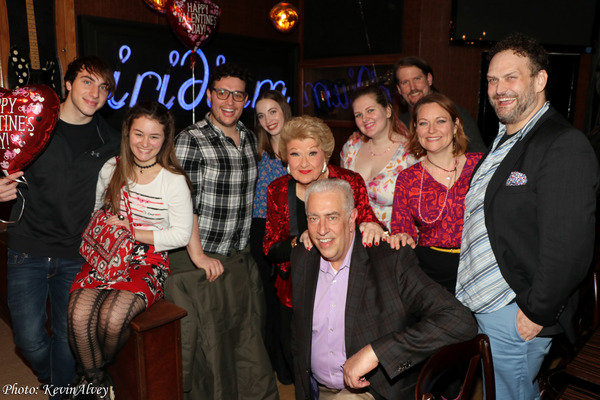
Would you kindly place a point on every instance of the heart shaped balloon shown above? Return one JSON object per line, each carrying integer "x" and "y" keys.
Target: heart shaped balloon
{"x": 193, "y": 21}
{"x": 27, "y": 119}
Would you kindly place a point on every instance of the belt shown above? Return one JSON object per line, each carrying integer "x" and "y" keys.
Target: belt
{"x": 454, "y": 251}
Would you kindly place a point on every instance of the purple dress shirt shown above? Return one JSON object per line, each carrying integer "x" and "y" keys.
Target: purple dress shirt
{"x": 328, "y": 340}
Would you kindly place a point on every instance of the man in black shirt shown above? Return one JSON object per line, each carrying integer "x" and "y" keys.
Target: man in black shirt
{"x": 57, "y": 202}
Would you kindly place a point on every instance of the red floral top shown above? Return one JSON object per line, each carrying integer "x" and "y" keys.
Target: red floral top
{"x": 447, "y": 230}
{"x": 278, "y": 219}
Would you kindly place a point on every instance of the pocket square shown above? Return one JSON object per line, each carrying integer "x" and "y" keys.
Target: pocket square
{"x": 516, "y": 178}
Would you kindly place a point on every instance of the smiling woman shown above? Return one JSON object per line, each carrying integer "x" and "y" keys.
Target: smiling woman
{"x": 378, "y": 151}
{"x": 146, "y": 138}
{"x": 148, "y": 177}
{"x": 429, "y": 196}
{"x": 272, "y": 111}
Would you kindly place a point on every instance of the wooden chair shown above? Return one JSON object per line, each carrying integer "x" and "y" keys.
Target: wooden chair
{"x": 474, "y": 352}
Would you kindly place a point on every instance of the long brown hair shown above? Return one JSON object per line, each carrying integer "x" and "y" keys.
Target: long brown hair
{"x": 125, "y": 167}
{"x": 264, "y": 142}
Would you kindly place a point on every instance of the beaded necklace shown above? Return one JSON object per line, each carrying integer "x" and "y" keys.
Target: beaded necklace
{"x": 143, "y": 167}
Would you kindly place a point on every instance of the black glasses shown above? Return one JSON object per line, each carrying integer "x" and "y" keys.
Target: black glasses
{"x": 223, "y": 94}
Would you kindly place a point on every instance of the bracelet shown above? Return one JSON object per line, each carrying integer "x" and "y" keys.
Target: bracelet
{"x": 294, "y": 241}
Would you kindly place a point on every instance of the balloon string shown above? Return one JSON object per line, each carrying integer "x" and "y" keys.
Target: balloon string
{"x": 22, "y": 204}
{"x": 193, "y": 95}
{"x": 362, "y": 15}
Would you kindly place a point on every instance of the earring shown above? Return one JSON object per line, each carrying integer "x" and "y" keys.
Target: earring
{"x": 324, "y": 167}
{"x": 288, "y": 169}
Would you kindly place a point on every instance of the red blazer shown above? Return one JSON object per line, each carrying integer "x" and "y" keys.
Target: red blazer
{"x": 278, "y": 218}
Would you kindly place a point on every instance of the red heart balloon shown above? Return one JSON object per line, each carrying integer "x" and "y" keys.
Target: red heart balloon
{"x": 193, "y": 21}
{"x": 27, "y": 119}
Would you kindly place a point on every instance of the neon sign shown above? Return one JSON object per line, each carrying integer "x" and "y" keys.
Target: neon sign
{"x": 327, "y": 95}
{"x": 160, "y": 83}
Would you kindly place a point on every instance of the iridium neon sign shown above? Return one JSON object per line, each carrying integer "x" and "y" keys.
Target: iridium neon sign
{"x": 195, "y": 85}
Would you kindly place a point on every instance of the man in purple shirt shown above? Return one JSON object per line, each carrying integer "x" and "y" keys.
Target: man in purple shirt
{"x": 363, "y": 316}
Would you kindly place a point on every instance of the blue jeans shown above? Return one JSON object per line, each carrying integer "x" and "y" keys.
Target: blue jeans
{"x": 31, "y": 280}
{"x": 516, "y": 362}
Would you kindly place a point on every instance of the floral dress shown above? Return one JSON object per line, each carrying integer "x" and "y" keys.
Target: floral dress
{"x": 380, "y": 188}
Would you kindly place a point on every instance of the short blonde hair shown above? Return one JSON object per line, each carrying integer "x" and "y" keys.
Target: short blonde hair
{"x": 307, "y": 127}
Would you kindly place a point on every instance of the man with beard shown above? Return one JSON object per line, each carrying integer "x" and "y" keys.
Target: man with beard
{"x": 528, "y": 231}
{"x": 414, "y": 79}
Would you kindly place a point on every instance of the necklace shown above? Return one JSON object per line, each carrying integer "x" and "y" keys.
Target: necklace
{"x": 378, "y": 154}
{"x": 449, "y": 171}
{"x": 421, "y": 194}
{"x": 143, "y": 167}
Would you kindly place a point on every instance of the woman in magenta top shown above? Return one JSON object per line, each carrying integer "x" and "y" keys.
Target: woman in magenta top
{"x": 429, "y": 198}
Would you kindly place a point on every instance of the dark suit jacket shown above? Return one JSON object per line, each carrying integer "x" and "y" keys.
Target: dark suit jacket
{"x": 391, "y": 304}
{"x": 542, "y": 233}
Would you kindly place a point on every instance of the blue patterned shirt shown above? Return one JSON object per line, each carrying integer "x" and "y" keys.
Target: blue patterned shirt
{"x": 269, "y": 169}
{"x": 479, "y": 283}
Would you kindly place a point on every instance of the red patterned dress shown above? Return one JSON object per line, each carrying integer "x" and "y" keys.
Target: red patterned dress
{"x": 425, "y": 227}
{"x": 278, "y": 219}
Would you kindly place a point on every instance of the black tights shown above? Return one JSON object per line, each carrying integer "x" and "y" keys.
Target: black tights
{"x": 99, "y": 327}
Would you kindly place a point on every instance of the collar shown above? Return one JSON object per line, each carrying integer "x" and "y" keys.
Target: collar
{"x": 241, "y": 128}
{"x": 325, "y": 266}
{"x": 520, "y": 134}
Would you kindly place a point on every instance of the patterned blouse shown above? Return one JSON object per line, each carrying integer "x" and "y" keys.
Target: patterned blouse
{"x": 446, "y": 231}
{"x": 269, "y": 169}
{"x": 381, "y": 187}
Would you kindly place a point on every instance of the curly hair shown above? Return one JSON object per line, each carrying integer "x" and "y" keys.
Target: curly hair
{"x": 460, "y": 140}
{"x": 523, "y": 46}
{"x": 230, "y": 69}
{"x": 307, "y": 127}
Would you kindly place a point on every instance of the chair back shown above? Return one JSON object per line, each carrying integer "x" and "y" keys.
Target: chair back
{"x": 474, "y": 353}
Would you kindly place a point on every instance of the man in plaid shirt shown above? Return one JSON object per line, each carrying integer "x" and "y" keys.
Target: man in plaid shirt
{"x": 219, "y": 155}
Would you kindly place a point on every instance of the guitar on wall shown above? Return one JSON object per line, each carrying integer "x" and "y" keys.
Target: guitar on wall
{"x": 29, "y": 71}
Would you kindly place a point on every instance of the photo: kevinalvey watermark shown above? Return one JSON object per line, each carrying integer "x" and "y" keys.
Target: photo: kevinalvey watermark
{"x": 51, "y": 390}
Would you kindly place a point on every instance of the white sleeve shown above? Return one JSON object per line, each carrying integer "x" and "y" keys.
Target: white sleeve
{"x": 179, "y": 202}
{"x": 104, "y": 177}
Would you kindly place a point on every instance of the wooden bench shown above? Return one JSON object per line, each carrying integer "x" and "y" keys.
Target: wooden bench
{"x": 149, "y": 366}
